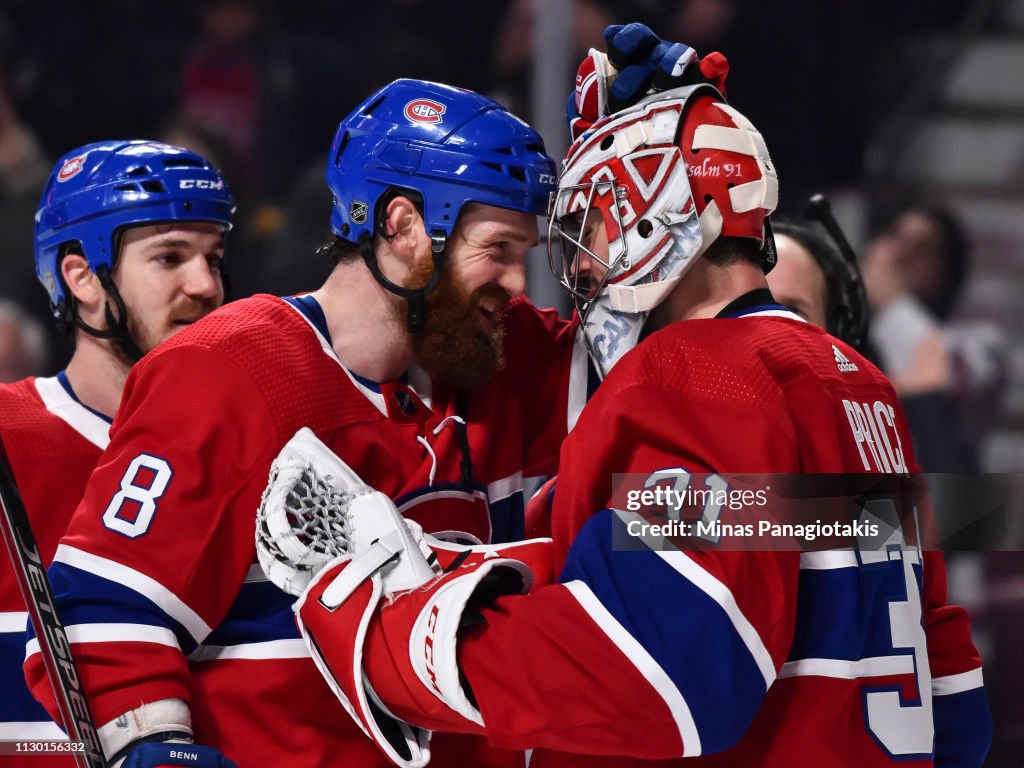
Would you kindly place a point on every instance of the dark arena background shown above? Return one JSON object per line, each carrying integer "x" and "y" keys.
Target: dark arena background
{"x": 886, "y": 107}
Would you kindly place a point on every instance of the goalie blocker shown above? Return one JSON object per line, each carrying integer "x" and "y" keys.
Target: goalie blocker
{"x": 322, "y": 531}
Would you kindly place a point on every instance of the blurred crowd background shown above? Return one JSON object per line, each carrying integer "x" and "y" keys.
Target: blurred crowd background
{"x": 908, "y": 115}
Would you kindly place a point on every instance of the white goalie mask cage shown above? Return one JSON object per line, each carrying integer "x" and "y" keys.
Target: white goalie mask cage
{"x": 664, "y": 179}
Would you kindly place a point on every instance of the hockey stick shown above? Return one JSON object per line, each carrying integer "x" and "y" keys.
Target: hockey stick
{"x": 53, "y": 640}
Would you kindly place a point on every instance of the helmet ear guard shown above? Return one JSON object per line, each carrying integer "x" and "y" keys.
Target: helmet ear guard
{"x": 448, "y": 145}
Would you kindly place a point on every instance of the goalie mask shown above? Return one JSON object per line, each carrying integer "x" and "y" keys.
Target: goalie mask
{"x": 658, "y": 182}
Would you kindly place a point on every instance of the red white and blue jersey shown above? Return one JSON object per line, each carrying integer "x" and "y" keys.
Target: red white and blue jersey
{"x": 53, "y": 443}
{"x": 768, "y": 658}
{"x": 157, "y": 578}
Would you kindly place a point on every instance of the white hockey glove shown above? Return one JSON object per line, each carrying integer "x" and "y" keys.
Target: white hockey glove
{"x": 372, "y": 578}
{"x": 316, "y": 509}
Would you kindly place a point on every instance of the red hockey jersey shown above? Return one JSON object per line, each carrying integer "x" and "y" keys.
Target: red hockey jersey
{"x": 768, "y": 658}
{"x": 157, "y": 576}
{"x": 53, "y": 443}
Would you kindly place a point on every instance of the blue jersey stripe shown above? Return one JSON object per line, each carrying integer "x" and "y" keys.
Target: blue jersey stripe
{"x": 312, "y": 311}
{"x": 770, "y": 307}
{"x": 260, "y": 613}
{"x": 62, "y": 378}
{"x": 843, "y": 613}
{"x": 16, "y": 703}
{"x": 963, "y": 727}
{"x": 679, "y": 625}
{"x": 508, "y": 519}
{"x": 86, "y": 598}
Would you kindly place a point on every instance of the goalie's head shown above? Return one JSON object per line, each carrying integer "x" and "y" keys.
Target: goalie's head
{"x": 642, "y": 195}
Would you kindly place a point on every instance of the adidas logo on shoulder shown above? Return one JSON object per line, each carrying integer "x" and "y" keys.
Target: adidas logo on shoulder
{"x": 843, "y": 363}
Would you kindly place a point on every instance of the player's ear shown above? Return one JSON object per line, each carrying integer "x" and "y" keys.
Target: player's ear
{"x": 404, "y": 230}
{"x": 81, "y": 280}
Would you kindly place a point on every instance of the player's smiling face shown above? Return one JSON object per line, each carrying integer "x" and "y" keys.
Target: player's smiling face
{"x": 487, "y": 252}
{"x": 485, "y": 268}
{"x": 169, "y": 277}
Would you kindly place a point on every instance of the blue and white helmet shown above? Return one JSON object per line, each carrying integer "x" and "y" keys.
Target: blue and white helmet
{"x": 450, "y": 145}
{"x": 98, "y": 190}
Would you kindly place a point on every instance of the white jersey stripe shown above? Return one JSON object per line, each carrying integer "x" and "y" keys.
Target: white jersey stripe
{"x": 950, "y": 684}
{"x": 832, "y": 559}
{"x": 43, "y": 730}
{"x": 874, "y": 666}
{"x": 13, "y": 621}
{"x": 775, "y": 313}
{"x": 167, "y": 601}
{"x": 73, "y": 413}
{"x": 112, "y": 633}
{"x": 271, "y": 649}
{"x": 507, "y": 486}
{"x": 828, "y": 560}
{"x": 645, "y": 664}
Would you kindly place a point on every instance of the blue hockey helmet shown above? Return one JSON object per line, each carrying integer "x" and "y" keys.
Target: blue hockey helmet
{"x": 450, "y": 145}
{"x": 98, "y": 190}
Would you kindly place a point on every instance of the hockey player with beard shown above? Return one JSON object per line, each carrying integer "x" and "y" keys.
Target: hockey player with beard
{"x": 848, "y": 656}
{"x": 415, "y": 361}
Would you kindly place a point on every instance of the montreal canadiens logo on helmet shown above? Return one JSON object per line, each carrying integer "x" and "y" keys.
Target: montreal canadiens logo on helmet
{"x": 71, "y": 168}
{"x": 424, "y": 111}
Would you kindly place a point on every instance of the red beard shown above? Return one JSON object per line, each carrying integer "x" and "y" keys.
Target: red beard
{"x": 455, "y": 348}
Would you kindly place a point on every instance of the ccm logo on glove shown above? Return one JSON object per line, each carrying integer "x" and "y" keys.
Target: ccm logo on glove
{"x": 428, "y": 648}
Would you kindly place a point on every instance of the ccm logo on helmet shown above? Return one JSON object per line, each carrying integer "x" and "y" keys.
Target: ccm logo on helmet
{"x": 200, "y": 184}
{"x": 424, "y": 111}
{"x": 71, "y": 168}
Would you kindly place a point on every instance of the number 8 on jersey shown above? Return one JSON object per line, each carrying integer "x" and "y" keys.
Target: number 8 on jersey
{"x": 131, "y": 511}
